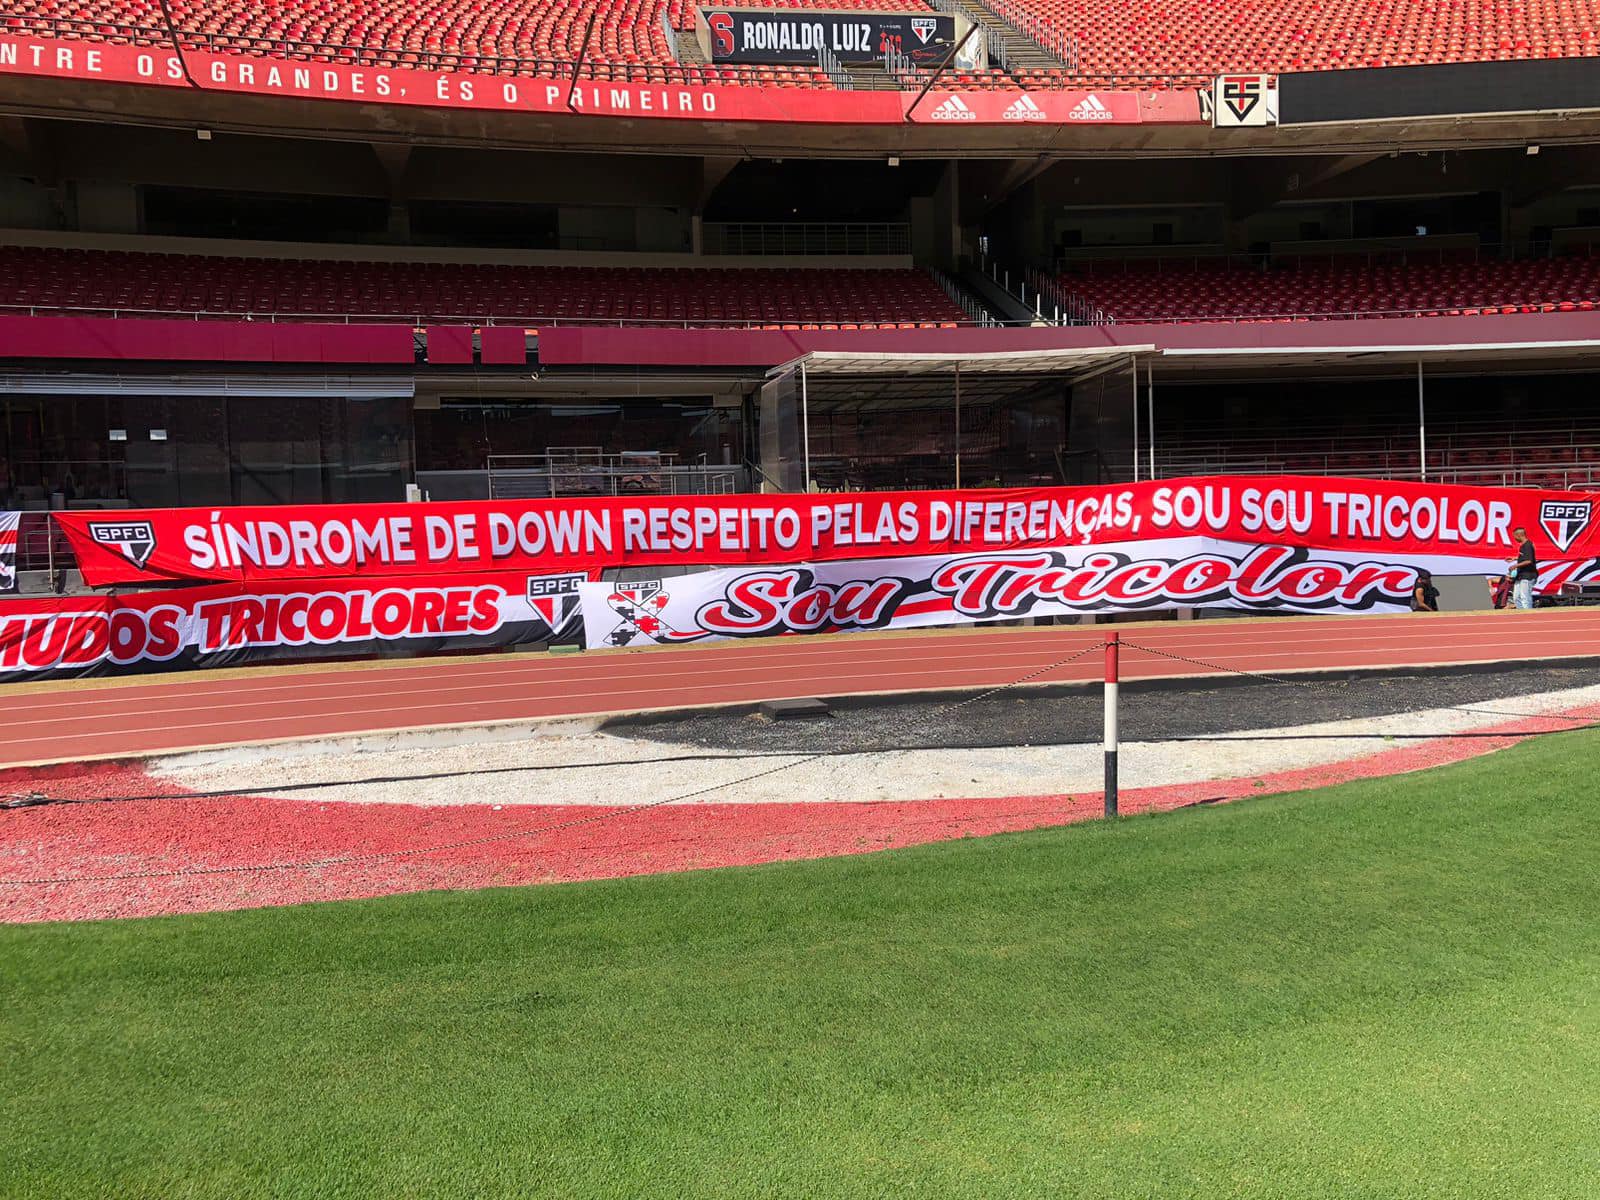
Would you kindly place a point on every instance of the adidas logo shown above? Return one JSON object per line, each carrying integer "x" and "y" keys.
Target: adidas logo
{"x": 1024, "y": 109}
{"x": 1091, "y": 109}
{"x": 953, "y": 109}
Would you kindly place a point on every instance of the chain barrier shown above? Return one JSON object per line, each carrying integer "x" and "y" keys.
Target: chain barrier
{"x": 514, "y": 834}
{"x": 1224, "y": 668}
{"x": 1320, "y": 683}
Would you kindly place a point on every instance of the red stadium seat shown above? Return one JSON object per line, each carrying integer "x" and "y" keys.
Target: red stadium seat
{"x": 136, "y": 284}
{"x": 1329, "y": 289}
{"x": 517, "y": 37}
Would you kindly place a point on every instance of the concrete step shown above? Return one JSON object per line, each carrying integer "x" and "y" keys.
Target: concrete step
{"x": 687, "y": 48}
{"x": 1007, "y": 44}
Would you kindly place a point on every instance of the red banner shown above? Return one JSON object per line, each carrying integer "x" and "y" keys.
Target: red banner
{"x": 1390, "y": 519}
{"x": 227, "y": 624}
{"x": 230, "y": 624}
{"x": 916, "y": 593}
{"x": 159, "y": 66}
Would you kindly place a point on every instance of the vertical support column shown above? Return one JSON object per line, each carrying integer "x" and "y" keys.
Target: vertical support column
{"x": 1136, "y": 418}
{"x": 958, "y": 426}
{"x": 1113, "y": 654}
{"x": 805, "y": 432}
{"x": 1150, "y": 412}
{"x": 1422, "y": 428}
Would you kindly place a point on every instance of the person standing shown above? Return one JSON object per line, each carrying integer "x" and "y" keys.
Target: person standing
{"x": 1425, "y": 597}
{"x": 1525, "y": 572}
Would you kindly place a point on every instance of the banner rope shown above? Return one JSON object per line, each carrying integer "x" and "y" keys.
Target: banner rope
{"x": 1281, "y": 681}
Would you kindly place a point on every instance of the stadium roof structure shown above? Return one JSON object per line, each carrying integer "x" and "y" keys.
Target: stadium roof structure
{"x": 1073, "y": 362}
{"x": 1400, "y": 357}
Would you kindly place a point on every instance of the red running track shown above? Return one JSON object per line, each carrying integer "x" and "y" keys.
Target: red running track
{"x": 103, "y": 720}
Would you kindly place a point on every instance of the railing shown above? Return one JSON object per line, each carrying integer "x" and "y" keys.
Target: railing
{"x": 590, "y": 471}
{"x": 1558, "y": 476}
{"x": 1342, "y": 449}
{"x": 1027, "y": 24}
{"x": 1108, "y": 316}
{"x": 1047, "y": 310}
{"x": 777, "y": 238}
{"x": 976, "y": 312}
{"x": 1051, "y": 306}
{"x": 828, "y": 63}
{"x": 1115, "y": 262}
{"x": 1093, "y": 262}
{"x": 417, "y": 320}
{"x": 898, "y": 65}
{"x": 1539, "y": 436}
{"x": 41, "y": 546}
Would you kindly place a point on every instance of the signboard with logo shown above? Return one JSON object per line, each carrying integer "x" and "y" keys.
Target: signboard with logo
{"x": 1027, "y": 108}
{"x": 757, "y": 36}
{"x": 303, "y": 581}
{"x": 561, "y": 538}
{"x": 228, "y": 624}
{"x": 1066, "y": 580}
{"x": 1243, "y": 101}
{"x": 581, "y": 100}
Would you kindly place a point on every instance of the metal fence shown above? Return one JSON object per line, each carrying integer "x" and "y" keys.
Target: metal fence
{"x": 828, "y": 63}
{"x": 590, "y": 471}
{"x": 778, "y": 238}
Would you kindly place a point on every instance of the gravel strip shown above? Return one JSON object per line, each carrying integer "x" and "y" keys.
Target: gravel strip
{"x": 548, "y": 770}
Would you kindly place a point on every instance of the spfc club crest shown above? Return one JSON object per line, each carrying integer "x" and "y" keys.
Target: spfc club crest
{"x": 924, "y": 28}
{"x": 1565, "y": 520}
{"x": 134, "y": 540}
{"x": 639, "y": 604}
{"x": 554, "y": 598}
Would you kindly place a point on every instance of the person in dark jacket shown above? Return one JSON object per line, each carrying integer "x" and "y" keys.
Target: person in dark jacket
{"x": 1425, "y": 597}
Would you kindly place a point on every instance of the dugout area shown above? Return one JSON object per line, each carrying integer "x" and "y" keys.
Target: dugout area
{"x": 855, "y": 421}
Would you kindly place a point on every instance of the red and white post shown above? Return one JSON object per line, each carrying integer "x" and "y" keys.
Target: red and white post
{"x": 1113, "y": 651}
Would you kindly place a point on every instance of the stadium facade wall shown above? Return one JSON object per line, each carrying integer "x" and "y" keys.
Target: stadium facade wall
{"x": 752, "y": 347}
{"x": 102, "y": 338}
{"x": 241, "y": 74}
{"x": 95, "y": 338}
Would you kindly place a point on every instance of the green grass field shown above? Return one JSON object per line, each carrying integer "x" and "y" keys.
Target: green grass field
{"x": 1388, "y": 989}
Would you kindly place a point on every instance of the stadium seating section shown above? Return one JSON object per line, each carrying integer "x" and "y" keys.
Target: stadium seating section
{"x": 540, "y": 38}
{"x": 1189, "y": 41}
{"x": 1548, "y": 454}
{"x": 1212, "y": 290}
{"x": 1147, "y": 43}
{"x": 137, "y": 284}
